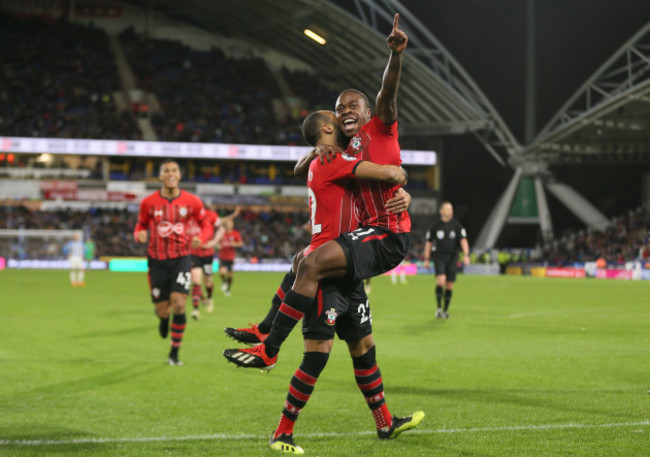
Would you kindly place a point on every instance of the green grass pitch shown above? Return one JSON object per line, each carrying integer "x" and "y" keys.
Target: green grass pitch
{"x": 524, "y": 367}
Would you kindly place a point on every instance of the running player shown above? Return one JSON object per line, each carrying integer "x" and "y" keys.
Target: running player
{"x": 202, "y": 259}
{"x": 163, "y": 221}
{"x": 230, "y": 241}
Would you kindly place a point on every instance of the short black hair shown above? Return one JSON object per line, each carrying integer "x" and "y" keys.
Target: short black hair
{"x": 165, "y": 162}
{"x": 365, "y": 97}
{"x": 311, "y": 127}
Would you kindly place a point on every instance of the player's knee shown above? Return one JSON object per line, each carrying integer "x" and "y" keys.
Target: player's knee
{"x": 309, "y": 267}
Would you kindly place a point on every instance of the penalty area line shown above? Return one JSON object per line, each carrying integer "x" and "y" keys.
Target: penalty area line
{"x": 235, "y": 437}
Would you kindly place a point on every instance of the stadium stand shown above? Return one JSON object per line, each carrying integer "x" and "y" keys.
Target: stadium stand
{"x": 626, "y": 239}
{"x": 59, "y": 81}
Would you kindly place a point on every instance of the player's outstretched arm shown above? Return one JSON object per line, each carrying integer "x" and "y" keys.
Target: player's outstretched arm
{"x": 232, "y": 215}
{"x": 388, "y": 173}
{"x": 386, "y": 103}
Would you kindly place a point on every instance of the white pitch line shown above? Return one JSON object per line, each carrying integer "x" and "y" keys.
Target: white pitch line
{"x": 225, "y": 437}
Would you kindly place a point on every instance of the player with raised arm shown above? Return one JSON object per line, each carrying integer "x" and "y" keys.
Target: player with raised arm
{"x": 343, "y": 304}
{"x": 163, "y": 221}
{"x": 382, "y": 240}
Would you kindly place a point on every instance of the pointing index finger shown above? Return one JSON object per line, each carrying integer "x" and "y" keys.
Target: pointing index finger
{"x": 395, "y": 22}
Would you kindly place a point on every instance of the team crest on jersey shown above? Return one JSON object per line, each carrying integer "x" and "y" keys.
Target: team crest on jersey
{"x": 356, "y": 144}
{"x": 330, "y": 318}
{"x": 440, "y": 234}
{"x": 452, "y": 235}
{"x": 182, "y": 211}
{"x": 155, "y": 292}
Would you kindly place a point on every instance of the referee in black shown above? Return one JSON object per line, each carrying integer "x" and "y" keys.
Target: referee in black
{"x": 443, "y": 239}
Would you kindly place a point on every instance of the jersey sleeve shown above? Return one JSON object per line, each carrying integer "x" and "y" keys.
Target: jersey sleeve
{"x": 462, "y": 232}
{"x": 428, "y": 235}
{"x": 343, "y": 166}
{"x": 143, "y": 218}
{"x": 384, "y": 129}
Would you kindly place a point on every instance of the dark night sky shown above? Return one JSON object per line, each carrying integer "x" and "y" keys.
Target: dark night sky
{"x": 573, "y": 39}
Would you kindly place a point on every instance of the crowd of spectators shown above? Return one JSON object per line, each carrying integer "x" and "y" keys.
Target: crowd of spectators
{"x": 624, "y": 240}
{"x": 267, "y": 233}
{"x": 206, "y": 96}
{"x": 57, "y": 79}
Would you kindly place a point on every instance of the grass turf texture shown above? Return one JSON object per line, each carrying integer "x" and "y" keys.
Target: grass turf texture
{"x": 524, "y": 367}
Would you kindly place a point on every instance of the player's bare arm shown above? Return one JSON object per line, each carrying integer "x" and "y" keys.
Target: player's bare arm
{"x": 233, "y": 215}
{"x": 464, "y": 245}
{"x": 427, "y": 252}
{"x": 386, "y": 103}
{"x": 325, "y": 152}
{"x": 388, "y": 173}
{"x": 216, "y": 239}
{"x": 399, "y": 203}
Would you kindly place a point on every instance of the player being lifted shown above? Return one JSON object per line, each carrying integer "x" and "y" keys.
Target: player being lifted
{"x": 163, "y": 221}
{"x": 382, "y": 240}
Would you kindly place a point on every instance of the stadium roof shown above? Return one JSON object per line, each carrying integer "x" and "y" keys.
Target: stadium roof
{"x": 437, "y": 97}
{"x": 608, "y": 119}
{"x": 605, "y": 121}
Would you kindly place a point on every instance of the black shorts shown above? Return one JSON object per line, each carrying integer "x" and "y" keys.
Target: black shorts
{"x": 227, "y": 264}
{"x": 341, "y": 307}
{"x": 446, "y": 264}
{"x": 372, "y": 251}
{"x": 167, "y": 276}
{"x": 204, "y": 263}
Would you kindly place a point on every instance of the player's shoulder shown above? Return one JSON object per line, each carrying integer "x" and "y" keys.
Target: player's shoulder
{"x": 190, "y": 197}
{"x": 152, "y": 197}
{"x": 377, "y": 125}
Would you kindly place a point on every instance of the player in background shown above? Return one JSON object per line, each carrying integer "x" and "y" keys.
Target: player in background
{"x": 230, "y": 241}
{"x": 383, "y": 238}
{"x": 75, "y": 251}
{"x": 443, "y": 239}
{"x": 202, "y": 259}
{"x": 399, "y": 270}
{"x": 163, "y": 222}
{"x": 89, "y": 250}
{"x": 367, "y": 286}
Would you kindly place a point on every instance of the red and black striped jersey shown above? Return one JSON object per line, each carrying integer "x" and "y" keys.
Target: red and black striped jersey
{"x": 167, "y": 222}
{"x": 331, "y": 201}
{"x": 194, "y": 229}
{"x": 377, "y": 142}
{"x": 227, "y": 250}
